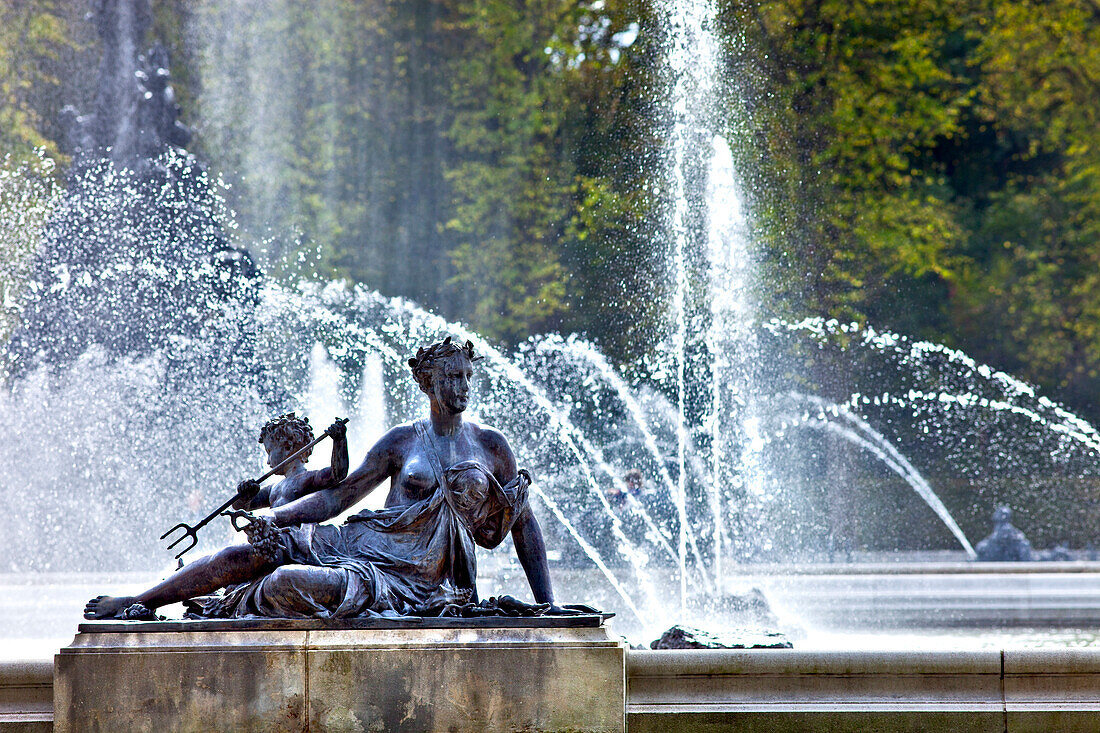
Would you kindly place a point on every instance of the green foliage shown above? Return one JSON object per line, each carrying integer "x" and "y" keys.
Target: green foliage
{"x": 468, "y": 154}
{"x": 527, "y": 189}
{"x": 932, "y": 166}
{"x": 328, "y": 118}
{"x": 1035, "y": 238}
{"x": 861, "y": 94}
{"x": 32, "y": 36}
{"x": 510, "y": 181}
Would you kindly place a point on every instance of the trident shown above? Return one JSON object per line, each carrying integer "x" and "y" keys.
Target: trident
{"x": 189, "y": 531}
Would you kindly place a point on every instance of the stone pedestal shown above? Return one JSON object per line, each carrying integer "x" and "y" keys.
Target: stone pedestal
{"x": 548, "y": 674}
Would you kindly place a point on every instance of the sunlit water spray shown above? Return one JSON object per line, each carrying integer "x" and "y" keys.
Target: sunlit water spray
{"x": 113, "y": 446}
{"x": 691, "y": 63}
{"x": 823, "y": 415}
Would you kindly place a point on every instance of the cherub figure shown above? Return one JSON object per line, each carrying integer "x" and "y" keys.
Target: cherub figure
{"x": 282, "y": 437}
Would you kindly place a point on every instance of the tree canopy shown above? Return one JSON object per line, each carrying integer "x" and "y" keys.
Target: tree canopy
{"x": 928, "y": 166}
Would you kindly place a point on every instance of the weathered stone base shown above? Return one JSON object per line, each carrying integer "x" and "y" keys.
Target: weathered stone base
{"x": 417, "y": 678}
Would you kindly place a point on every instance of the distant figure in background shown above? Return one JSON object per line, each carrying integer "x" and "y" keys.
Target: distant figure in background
{"x": 634, "y": 482}
{"x": 1006, "y": 543}
{"x": 616, "y": 497}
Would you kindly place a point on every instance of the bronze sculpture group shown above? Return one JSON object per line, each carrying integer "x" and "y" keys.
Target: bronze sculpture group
{"x": 453, "y": 485}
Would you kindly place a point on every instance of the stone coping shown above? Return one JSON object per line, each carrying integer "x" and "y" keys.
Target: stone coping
{"x": 731, "y": 662}
{"x": 18, "y": 672}
{"x": 588, "y": 620}
{"x": 785, "y": 680}
{"x": 26, "y": 695}
{"x": 735, "y": 662}
{"x": 916, "y": 568}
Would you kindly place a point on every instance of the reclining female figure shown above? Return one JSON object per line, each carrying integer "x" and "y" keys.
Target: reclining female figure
{"x": 453, "y": 483}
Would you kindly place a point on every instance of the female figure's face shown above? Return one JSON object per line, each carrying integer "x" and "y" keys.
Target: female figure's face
{"x": 451, "y": 383}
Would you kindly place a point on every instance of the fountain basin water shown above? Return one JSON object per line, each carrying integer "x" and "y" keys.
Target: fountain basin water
{"x": 872, "y": 606}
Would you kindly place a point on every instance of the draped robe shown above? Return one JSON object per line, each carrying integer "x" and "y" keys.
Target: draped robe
{"x": 407, "y": 560}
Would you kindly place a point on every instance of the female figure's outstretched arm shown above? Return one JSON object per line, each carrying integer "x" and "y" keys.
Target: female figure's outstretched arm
{"x": 383, "y": 461}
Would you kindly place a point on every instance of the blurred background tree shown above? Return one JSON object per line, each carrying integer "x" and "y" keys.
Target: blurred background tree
{"x": 928, "y": 166}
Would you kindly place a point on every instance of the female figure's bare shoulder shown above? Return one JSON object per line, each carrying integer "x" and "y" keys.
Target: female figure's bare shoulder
{"x": 496, "y": 446}
{"x": 397, "y": 439}
{"x": 489, "y": 437}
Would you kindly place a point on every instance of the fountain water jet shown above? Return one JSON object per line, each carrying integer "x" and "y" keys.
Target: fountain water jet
{"x": 692, "y": 58}
{"x": 856, "y": 430}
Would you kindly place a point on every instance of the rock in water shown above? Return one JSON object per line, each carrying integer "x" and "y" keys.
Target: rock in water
{"x": 688, "y": 637}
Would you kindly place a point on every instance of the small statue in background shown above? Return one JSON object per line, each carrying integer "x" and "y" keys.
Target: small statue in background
{"x": 1006, "y": 543}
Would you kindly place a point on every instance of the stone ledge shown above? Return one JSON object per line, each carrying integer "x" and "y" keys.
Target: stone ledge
{"x": 26, "y": 696}
{"x": 777, "y": 690}
{"x": 771, "y": 721}
{"x": 726, "y": 662}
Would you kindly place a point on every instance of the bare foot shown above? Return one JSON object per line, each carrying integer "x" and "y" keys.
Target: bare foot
{"x": 102, "y": 607}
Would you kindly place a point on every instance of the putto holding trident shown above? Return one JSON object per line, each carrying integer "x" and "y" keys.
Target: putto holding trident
{"x": 453, "y": 485}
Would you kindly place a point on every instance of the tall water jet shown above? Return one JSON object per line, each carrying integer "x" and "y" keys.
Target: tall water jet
{"x": 691, "y": 61}
{"x": 711, "y": 281}
{"x": 731, "y": 347}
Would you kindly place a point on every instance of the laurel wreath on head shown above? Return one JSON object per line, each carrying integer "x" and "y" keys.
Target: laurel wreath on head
{"x": 426, "y": 356}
